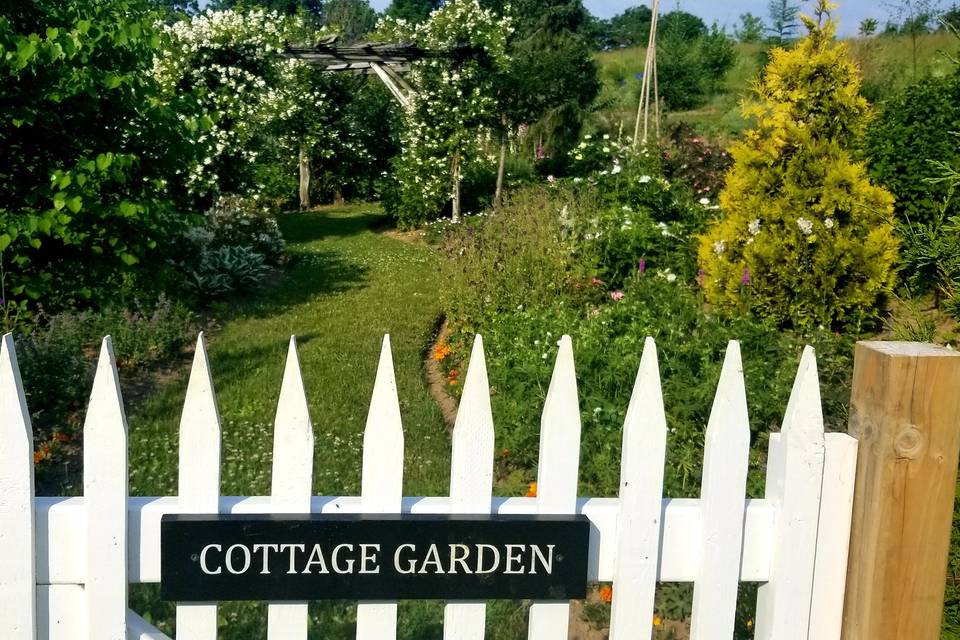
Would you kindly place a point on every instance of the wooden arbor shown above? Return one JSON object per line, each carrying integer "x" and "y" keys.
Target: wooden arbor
{"x": 388, "y": 62}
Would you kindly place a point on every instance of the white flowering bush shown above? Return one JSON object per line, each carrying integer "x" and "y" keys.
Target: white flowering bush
{"x": 450, "y": 118}
{"x": 238, "y": 93}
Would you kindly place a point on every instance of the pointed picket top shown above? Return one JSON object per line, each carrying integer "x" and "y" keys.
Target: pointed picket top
{"x": 559, "y": 461}
{"x": 18, "y": 609}
{"x": 804, "y": 411}
{"x": 641, "y": 497}
{"x": 292, "y": 484}
{"x": 795, "y": 481}
{"x": 199, "y": 475}
{"x": 105, "y": 501}
{"x": 382, "y": 478}
{"x": 471, "y": 467}
{"x": 199, "y": 472}
{"x": 557, "y": 474}
{"x": 471, "y": 479}
{"x": 722, "y": 503}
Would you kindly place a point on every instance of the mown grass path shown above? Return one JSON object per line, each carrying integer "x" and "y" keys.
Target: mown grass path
{"x": 346, "y": 286}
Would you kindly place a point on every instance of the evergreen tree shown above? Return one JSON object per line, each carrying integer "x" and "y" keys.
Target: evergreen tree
{"x": 783, "y": 21}
{"x": 805, "y": 238}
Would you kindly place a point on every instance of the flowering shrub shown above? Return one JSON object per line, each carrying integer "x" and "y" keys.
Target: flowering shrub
{"x": 801, "y": 217}
{"x": 455, "y": 105}
{"x": 230, "y": 65}
{"x": 695, "y": 160}
{"x": 241, "y": 221}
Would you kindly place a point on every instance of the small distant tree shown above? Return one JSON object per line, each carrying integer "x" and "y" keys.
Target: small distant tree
{"x": 414, "y": 11}
{"x": 632, "y": 27}
{"x": 751, "y": 28}
{"x": 950, "y": 19}
{"x": 805, "y": 239}
{"x": 868, "y": 27}
{"x": 784, "y": 22}
{"x": 352, "y": 19}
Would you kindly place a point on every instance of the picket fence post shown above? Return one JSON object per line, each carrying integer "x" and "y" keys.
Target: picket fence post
{"x": 292, "y": 481}
{"x": 18, "y": 580}
{"x": 471, "y": 480}
{"x": 199, "y": 477}
{"x": 905, "y": 410}
{"x": 382, "y": 481}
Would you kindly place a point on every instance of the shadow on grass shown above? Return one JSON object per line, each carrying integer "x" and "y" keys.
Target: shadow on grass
{"x": 335, "y": 223}
{"x": 308, "y": 275}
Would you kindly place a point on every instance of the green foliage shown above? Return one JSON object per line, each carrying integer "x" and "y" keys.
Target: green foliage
{"x": 912, "y": 129}
{"x": 868, "y": 27}
{"x": 228, "y": 269}
{"x": 91, "y": 174}
{"x": 57, "y": 354}
{"x": 692, "y": 70}
{"x": 931, "y": 256}
{"x": 352, "y": 19}
{"x": 630, "y": 28}
{"x": 805, "y": 239}
{"x": 751, "y": 28}
{"x": 413, "y": 11}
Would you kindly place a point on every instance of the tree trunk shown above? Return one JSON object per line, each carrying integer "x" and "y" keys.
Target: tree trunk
{"x": 338, "y": 196}
{"x": 456, "y": 187}
{"x": 498, "y": 196}
{"x": 304, "y": 179}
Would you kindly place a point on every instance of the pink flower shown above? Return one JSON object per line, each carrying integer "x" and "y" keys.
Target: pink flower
{"x": 642, "y": 267}
{"x": 617, "y": 295}
{"x": 745, "y": 278}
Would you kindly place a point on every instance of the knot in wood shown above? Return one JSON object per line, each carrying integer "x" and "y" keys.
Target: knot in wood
{"x": 909, "y": 442}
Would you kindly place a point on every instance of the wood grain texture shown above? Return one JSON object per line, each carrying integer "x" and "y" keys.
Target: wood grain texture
{"x": 905, "y": 412}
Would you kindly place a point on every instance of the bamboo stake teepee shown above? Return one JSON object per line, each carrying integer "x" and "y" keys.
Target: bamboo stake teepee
{"x": 649, "y": 79}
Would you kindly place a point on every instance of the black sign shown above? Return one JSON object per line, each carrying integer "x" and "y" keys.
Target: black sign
{"x": 423, "y": 557}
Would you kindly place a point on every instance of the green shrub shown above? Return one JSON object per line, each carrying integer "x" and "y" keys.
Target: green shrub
{"x": 912, "y": 129}
{"x": 227, "y": 269}
{"x": 805, "y": 239}
{"x": 522, "y": 253}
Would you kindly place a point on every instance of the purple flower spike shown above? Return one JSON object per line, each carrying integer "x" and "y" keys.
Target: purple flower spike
{"x": 642, "y": 267}
{"x": 745, "y": 279}
{"x": 701, "y": 277}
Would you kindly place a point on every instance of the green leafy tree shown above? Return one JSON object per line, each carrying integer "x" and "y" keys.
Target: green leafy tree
{"x": 90, "y": 177}
{"x": 631, "y": 28}
{"x": 784, "y": 22}
{"x": 682, "y": 25}
{"x": 690, "y": 71}
{"x": 312, "y": 8}
{"x": 414, "y": 11}
{"x": 868, "y": 27}
{"x": 805, "y": 239}
{"x": 751, "y": 28}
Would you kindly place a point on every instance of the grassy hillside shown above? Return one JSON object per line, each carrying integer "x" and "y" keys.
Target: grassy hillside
{"x": 887, "y": 64}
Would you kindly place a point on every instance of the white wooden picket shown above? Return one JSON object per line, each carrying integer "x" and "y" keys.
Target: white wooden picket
{"x": 65, "y": 563}
{"x": 199, "y": 477}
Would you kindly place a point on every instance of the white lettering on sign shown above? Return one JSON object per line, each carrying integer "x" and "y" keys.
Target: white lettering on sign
{"x": 364, "y": 558}
{"x": 203, "y": 560}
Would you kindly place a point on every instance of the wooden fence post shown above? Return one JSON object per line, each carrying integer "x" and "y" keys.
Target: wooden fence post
{"x": 905, "y": 411}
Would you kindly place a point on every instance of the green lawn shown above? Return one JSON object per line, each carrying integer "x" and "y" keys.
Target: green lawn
{"x": 346, "y": 286}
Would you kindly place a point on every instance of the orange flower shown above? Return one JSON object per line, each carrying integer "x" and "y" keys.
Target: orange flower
{"x": 441, "y": 351}
{"x": 532, "y": 490}
{"x": 38, "y": 456}
{"x": 59, "y": 436}
{"x": 606, "y": 593}
{"x": 657, "y": 620}
{"x": 505, "y": 453}
{"x": 749, "y": 624}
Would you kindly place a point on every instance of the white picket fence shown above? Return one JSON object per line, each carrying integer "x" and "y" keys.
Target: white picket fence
{"x": 65, "y": 563}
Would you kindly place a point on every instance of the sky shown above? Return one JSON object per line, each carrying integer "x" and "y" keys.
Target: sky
{"x": 727, "y": 12}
